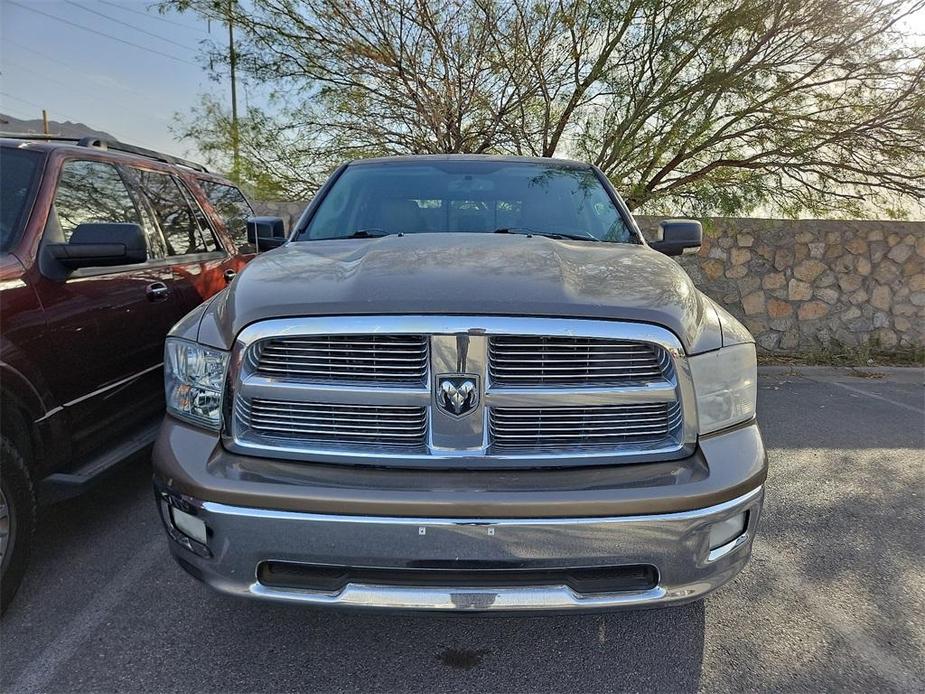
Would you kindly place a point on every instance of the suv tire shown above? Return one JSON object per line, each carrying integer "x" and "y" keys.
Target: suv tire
{"x": 17, "y": 498}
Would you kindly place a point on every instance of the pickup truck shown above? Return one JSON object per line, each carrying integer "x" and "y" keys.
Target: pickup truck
{"x": 462, "y": 383}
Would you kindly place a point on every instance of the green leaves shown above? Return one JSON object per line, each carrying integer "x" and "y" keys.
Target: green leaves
{"x": 689, "y": 106}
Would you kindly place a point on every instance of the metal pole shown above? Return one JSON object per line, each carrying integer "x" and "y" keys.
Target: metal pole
{"x": 44, "y": 121}
{"x": 232, "y": 61}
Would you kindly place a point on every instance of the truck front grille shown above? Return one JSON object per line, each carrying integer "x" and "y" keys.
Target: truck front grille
{"x": 400, "y": 359}
{"x": 324, "y": 423}
{"x": 458, "y": 391}
{"x": 532, "y": 361}
{"x": 601, "y": 426}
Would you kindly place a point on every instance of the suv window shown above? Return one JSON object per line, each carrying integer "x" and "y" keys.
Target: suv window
{"x": 180, "y": 222}
{"x": 92, "y": 191}
{"x": 156, "y": 245}
{"x": 19, "y": 171}
{"x": 233, "y": 208}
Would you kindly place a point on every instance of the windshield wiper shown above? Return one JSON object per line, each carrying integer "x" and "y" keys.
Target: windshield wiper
{"x": 549, "y": 234}
{"x": 367, "y": 234}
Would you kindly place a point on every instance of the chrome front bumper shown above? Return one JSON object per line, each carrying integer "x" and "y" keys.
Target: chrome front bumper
{"x": 676, "y": 544}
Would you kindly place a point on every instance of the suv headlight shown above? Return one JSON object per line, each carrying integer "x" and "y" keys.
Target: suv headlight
{"x": 194, "y": 378}
{"x": 726, "y": 383}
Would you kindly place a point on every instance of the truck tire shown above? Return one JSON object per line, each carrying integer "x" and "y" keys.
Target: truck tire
{"x": 17, "y": 519}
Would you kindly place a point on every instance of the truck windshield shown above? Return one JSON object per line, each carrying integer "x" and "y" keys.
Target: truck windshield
{"x": 466, "y": 196}
{"x": 18, "y": 178}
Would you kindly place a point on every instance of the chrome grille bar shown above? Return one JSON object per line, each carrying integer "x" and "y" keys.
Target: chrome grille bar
{"x": 330, "y": 423}
{"x": 389, "y": 359}
{"x": 533, "y": 362}
{"x": 582, "y": 427}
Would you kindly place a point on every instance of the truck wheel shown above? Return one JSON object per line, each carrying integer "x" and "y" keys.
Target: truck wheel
{"x": 17, "y": 519}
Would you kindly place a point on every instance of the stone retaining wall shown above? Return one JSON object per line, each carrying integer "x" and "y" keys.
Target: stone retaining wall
{"x": 812, "y": 285}
{"x": 803, "y": 286}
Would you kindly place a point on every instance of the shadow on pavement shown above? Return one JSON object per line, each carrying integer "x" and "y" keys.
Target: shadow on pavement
{"x": 827, "y": 603}
{"x": 308, "y": 649}
{"x": 168, "y": 632}
{"x": 797, "y": 412}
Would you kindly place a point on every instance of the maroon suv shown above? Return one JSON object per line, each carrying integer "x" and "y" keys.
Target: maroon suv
{"x": 103, "y": 247}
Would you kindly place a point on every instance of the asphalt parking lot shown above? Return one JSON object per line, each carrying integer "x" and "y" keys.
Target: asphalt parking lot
{"x": 833, "y": 598}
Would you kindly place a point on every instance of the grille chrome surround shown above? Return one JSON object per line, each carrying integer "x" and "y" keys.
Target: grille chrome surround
{"x": 525, "y": 361}
{"x": 598, "y": 426}
{"x": 389, "y": 359}
{"x": 326, "y": 423}
{"x": 454, "y": 344}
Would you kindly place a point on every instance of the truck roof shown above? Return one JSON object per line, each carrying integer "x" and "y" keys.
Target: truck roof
{"x": 411, "y": 158}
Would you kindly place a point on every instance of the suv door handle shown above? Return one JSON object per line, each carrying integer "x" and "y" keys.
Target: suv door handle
{"x": 157, "y": 291}
{"x": 230, "y": 275}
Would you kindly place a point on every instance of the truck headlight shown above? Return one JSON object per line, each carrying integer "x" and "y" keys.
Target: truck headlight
{"x": 194, "y": 378}
{"x": 726, "y": 383}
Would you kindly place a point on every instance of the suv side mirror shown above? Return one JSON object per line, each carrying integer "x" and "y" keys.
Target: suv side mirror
{"x": 97, "y": 244}
{"x": 266, "y": 232}
{"x": 679, "y": 236}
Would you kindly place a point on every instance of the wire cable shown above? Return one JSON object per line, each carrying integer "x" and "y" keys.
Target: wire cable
{"x": 130, "y": 26}
{"x": 34, "y": 105}
{"x": 70, "y": 68}
{"x": 53, "y": 80}
{"x": 99, "y": 33}
{"x": 149, "y": 15}
{"x": 46, "y": 56}
{"x": 131, "y": 108}
{"x": 19, "y": 98}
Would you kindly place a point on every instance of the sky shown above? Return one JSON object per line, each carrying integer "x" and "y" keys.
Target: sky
{"x": 74, "y": 58}
{"x": 129, "y": 91}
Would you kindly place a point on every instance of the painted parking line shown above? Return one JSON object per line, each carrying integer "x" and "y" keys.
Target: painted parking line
{"x": 37, "y": 676}
{"x": 860, "y": 391}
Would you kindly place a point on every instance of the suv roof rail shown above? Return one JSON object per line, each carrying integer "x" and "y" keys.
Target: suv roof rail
{"x": 115, "y": 145}
{"x": 37, "y": 136}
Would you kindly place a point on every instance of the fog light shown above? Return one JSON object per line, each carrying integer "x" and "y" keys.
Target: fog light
{"x": 726, "y": 531}
{"x": 190, "y": 526}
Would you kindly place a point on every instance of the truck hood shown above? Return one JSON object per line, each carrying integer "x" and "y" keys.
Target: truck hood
{"x": 475, "y": 274}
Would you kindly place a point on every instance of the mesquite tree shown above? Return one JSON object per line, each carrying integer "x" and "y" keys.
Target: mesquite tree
{"x": 800, "y": 106}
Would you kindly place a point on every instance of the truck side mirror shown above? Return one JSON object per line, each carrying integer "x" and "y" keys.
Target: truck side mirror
{"x": 266, "y": 232}
{"x": 679, "y": 236}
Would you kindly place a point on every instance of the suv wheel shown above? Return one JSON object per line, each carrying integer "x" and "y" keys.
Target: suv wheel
{"x": 17, "y": 519}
